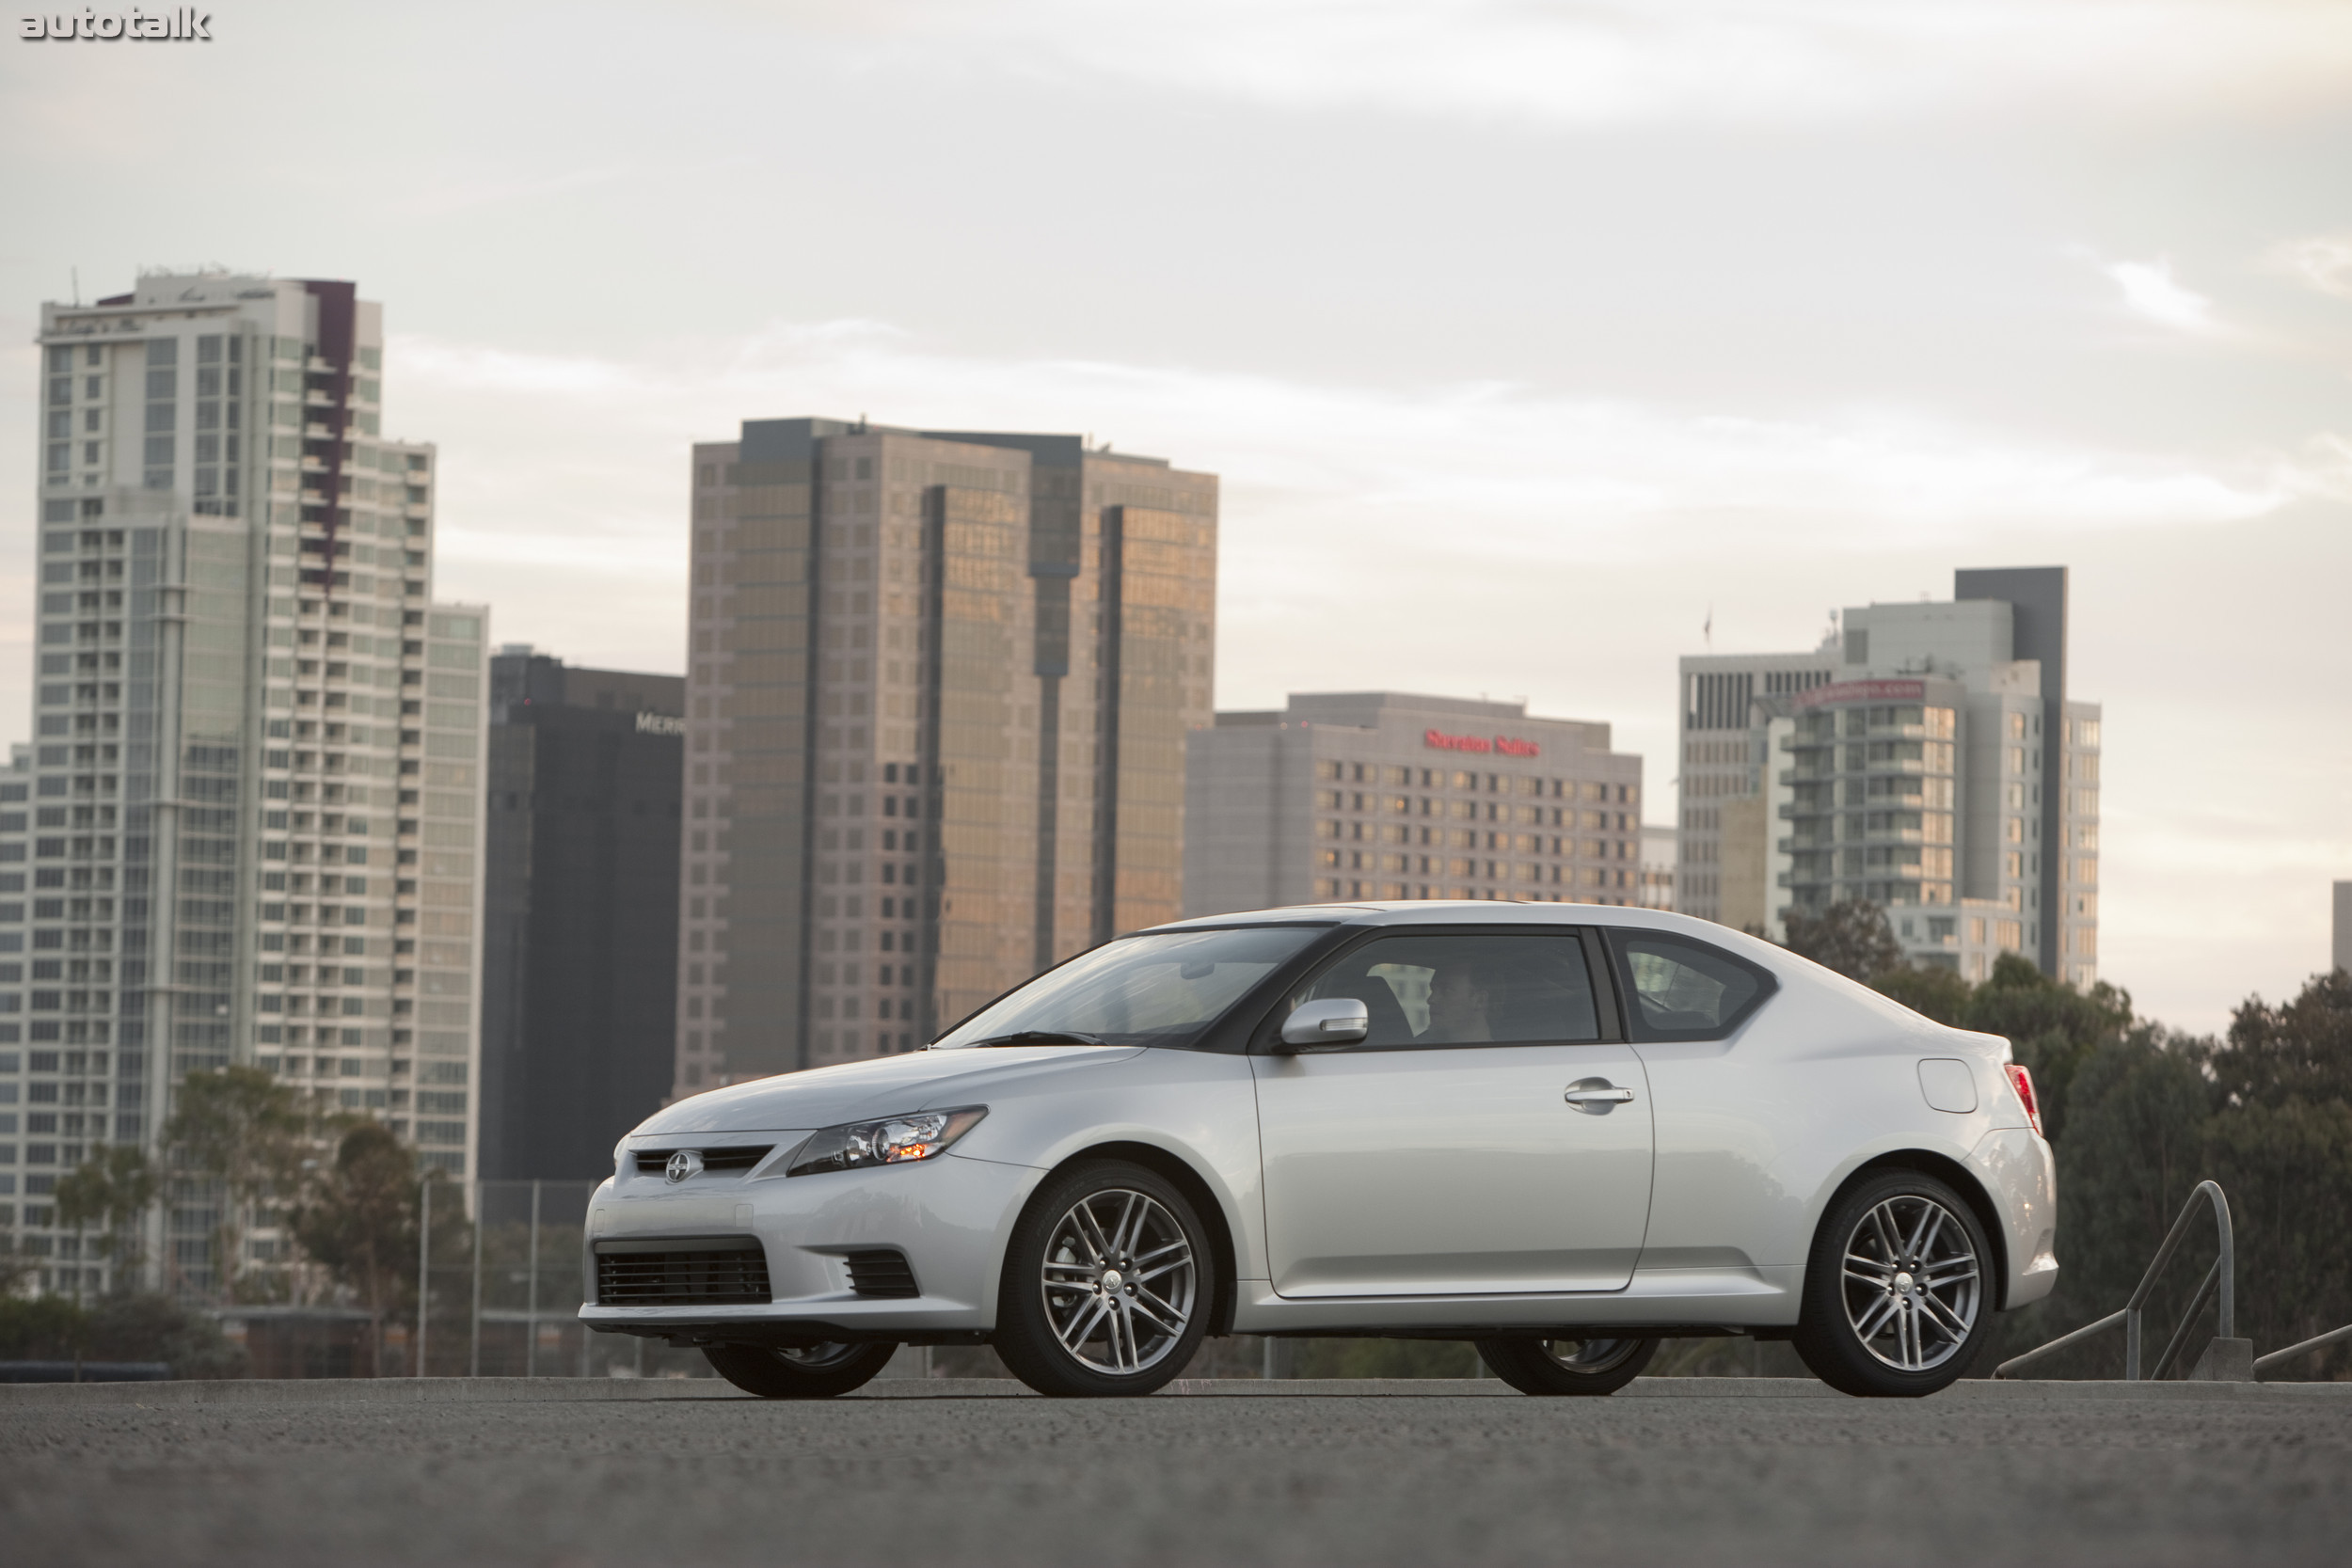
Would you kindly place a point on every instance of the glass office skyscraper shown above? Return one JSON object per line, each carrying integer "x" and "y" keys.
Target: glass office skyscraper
{"x": 938, "y": 691}
{"x": 580, "y": 912}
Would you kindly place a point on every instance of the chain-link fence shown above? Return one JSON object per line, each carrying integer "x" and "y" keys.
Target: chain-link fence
{"x": 503, "y": 1288}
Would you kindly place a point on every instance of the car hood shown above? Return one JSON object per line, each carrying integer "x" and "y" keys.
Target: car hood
{"x": 882, "y": 1086}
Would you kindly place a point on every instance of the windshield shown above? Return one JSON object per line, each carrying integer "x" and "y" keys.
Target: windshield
{"x": 1162, "y": 988}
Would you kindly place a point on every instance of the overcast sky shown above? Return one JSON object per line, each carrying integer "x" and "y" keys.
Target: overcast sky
{"x": 1524, "y": 335}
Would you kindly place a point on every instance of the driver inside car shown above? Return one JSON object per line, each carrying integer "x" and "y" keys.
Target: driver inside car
{"x": 1461, "y": 1003}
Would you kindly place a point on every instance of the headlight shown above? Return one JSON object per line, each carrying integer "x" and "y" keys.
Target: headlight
{"x": 890, "y": 1141}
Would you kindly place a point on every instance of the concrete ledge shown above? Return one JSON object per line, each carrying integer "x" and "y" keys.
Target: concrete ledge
{"x": 518, "y": 1390}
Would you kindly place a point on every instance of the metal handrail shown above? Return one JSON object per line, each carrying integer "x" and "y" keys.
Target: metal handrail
{"x": 2320, "y": 1342}
{"x": 2224, "y": 1276}
{"x": 2188, "y": 1320}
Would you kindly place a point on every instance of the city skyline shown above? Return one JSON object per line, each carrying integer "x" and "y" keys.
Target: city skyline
{"x": 1739, "y": 318}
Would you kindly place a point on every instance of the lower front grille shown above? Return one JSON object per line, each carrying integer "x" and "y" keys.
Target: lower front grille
{"x": 882, "y": 1274}
{"x": 672, "y": 1273}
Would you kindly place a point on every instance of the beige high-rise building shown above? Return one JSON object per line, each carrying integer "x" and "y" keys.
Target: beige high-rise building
{"x": 1394, "y": 794}
{"x": 1929, "y": 759}
{"x": 248, "y": 830}
{"x": 938, "y": 690}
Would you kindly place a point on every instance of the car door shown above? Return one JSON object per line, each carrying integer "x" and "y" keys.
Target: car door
{"x": 1490, "y": 1134}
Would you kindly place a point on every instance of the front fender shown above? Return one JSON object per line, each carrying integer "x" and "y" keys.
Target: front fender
{"x": 1192, "y": 1106}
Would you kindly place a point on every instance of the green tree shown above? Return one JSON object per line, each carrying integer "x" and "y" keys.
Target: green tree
{"x": 1851, "y": 937}
{"x": 1931, "y": 989}
{"x": 358, "y": 1218}
{"x": 237, "y": 1137}
{"x": 2302, "y": 1050}
{"x": 2280, "y": 1144}
{"x": 41, "y": 1328}
{"x": 123, "y": 1327}
{"x": 2052, "y": 1027}
{"x": 2132, "y": 1151}
{"x": 2132, "y": 1148}
{"x": 2138, "y": 1116}
{"x": 2287, "y": 1169}
{"x": 144, "y": 1326}
{"x": 112, "y": 1189}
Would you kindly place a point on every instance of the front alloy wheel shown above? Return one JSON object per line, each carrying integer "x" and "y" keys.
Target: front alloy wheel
{"x": 1566, "y": 1366}
{"x": 1107, "y": 1284}
{"x": 1894, "y": 1298}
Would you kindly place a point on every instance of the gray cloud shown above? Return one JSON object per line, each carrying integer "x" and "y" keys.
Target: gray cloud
{"x": 1599, "y": 62}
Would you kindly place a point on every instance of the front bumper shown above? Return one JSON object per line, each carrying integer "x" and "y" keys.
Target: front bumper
{"x": 949, "y": 1218}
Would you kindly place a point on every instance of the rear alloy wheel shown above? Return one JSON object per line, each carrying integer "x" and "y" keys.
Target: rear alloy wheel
{"x": 1566, "y": 1366}
{"x": 1107, "y": 1284}
{"x": 1896, "y": 1302}
{"x": 798, "y": 1371}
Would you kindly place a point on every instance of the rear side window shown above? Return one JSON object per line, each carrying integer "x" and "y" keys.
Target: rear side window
{"x": 1680, "y": 989}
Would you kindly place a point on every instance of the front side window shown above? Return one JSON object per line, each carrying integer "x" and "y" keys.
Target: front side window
{"x": 1159, "y": 988}
{"x": 1683, "y": 989}
{"x": 1468, "y": 989}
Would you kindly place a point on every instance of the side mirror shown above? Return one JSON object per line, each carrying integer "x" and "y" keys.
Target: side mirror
{"x": 1334, "y": 1021}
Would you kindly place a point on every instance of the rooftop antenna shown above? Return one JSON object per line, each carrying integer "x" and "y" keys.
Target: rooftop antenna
{"x": 1708, "y": 629}
{"x": 77, "y": 284}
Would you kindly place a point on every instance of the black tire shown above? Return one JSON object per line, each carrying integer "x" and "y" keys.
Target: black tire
{"x": 1907, "y": 1252}
{"x": 1138, "y": 1303}
{"x": 1566, "y": 1366}
{"x": 804, "y": 1372}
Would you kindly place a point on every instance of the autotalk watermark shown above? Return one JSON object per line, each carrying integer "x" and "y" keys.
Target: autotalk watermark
{"x": 182, "y": 24}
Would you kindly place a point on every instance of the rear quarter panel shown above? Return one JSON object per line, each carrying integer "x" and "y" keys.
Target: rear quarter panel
{"x": 1757, "y": 1132}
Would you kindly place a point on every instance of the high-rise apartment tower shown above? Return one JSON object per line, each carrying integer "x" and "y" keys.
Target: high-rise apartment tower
{"x": 1717, "y": 762}
{"x": 938, "y": 690}
{"x": 1926, "y": 759}
{"x": 250, "y": 831}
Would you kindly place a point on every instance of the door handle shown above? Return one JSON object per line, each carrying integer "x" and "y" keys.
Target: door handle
{"x": 1595, "y": 1097}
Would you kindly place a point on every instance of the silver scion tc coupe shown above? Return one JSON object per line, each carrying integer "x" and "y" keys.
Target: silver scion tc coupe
{"x": 1560, "y": 1132}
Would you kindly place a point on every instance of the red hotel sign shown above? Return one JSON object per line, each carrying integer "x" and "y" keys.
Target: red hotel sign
{"x": 1438, "y": 740}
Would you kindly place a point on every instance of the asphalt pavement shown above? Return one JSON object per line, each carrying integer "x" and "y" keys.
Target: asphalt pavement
{"x": 581, "y": 1475}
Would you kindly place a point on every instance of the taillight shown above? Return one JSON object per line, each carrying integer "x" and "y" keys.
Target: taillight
{"x": 2021, "y": 1079}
